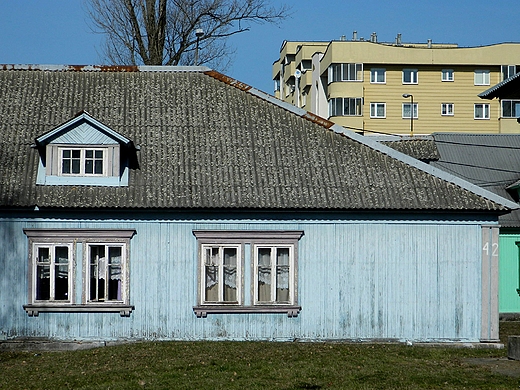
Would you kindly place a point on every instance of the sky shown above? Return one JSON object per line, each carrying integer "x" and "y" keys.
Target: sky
{"x": 58, "y": 31}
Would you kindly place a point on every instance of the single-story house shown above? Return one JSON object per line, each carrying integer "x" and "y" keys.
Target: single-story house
{"x": 171, "y": 203}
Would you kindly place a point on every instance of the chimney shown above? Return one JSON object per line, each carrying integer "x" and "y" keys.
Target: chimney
{"x": 343, "y": 38}
{"x": 398, "y": 39}
{"x": 429, "y": 43}
{"x": 354, "y": 36}
{"x": 373, "y": 37}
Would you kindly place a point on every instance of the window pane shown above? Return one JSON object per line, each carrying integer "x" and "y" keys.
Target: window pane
{"x": 89, "y": 166}
{"x": 89, "y": 153}
{"x": 282, "y": 275}
{"x": 380, "y": 110}
{"x": 114, "y": 273}
{"x": 211, "y": 274}
{"x": 264, "y": 274}
{"x": 43, "y": 285}
{"x": 75, "y": 166}
{"x": 230, "y": 274}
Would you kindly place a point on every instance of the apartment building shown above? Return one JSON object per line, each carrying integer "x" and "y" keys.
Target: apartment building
{"x": 372, "y": 87}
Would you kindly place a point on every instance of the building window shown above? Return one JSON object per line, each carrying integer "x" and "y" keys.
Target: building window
{"x": 481, "y": 111}
{"x": 270, "y": 272}
{"x": 54, "y": 268}
{"x": 508, "y": 71}
{"x": 407, "y": 108}
{"x": 221, "y": 273}
{"x": 510, "y": 108}
{"x": 377, "y": 110}
{"x": 345, "y": 106}
{"x": 377, "y": 76}
{"x": 107, "y": 279}
{"x": 482, "y": 77}
{"x": 345, "y": 72}
{"x": 51, "y": 268}
{"x": 274, "y": 274}
{"x": 410, "y": 76}
{"x": 447, "y": 109}
{"x": 447, "y": 75}
{"x": 82, "y": 162}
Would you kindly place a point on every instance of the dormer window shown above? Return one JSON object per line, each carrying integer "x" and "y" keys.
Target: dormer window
{"x": 83, "y": 151}
{"x": 82, "y": 162}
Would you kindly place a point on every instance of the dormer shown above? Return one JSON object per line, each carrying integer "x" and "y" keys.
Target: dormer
{"x": 83, "y": 151}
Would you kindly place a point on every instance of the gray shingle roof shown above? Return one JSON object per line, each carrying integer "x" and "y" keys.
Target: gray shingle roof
{"x": 420, "y": 148}
{"x": 507, "y": 89}
{"x": 491, "y": 161}
{"x": 209, "y": 142}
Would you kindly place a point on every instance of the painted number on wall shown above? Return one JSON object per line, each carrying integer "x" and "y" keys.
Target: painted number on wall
{"x": 493, "y": 248}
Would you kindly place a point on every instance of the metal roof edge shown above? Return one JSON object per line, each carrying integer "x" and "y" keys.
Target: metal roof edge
{"x": 104, "y": 68}
{"x": 487, "y": 92}
{"x": 426, "y": 167}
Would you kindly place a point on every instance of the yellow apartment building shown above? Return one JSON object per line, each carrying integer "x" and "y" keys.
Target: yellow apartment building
{"x": 371, "y": 87}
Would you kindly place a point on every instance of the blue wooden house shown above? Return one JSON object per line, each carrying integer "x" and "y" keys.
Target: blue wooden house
{"x": 159, "y": 203}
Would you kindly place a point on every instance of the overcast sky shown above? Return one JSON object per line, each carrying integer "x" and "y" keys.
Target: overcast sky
{"x": 57, "y": 31}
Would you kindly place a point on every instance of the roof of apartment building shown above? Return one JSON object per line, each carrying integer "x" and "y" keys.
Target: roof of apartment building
{"x": 203, "y": 140}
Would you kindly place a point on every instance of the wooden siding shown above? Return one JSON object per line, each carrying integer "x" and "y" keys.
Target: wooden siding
{"x": 365, "y": 279}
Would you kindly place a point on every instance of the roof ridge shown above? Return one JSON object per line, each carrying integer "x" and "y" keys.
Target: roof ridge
{"x": 103, "y": 68}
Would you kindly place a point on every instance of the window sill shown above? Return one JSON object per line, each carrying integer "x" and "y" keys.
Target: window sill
{"x": 203, "y": 311}
{"x": 33, "y": 310}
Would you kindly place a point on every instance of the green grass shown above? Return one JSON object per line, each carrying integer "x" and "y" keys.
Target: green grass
{"x": 255, "y": 365}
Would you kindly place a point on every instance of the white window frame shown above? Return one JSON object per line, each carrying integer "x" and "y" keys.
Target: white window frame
{"x": 83, "y": 161}
{"x": 513, "y": 104}
{"x": 35, "y": 263}
{"x": 105, "y": 299}
{"x": 375, "y": 73}
{"x": 414, "y": 76}
{"x": 273, "y": 274}
{"x": 485, "y": 111}
{"x": 415, "y": 110}
{"x": 447, "y": 109}
{"x": 248, "y": 241}
{"x": 341, "y": 102}
{"x": 77, "y": 241}
{"x": 481, "y": 77}
{"x": 447, "y": 75}
{"x": 221, "y": 273}
{"x": 345, "y": 72}
{"x": 374, "y": 110}
{"x": 508, "y": 71}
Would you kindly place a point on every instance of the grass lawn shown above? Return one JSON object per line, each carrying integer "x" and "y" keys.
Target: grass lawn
{"x": 257, "y": 365}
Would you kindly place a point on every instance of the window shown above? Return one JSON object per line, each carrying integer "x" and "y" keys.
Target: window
{"x": 447, "y": 75}
{"x": 508, "y": 71}
{"x": 247, "y": 272}
{"x": 447, "y": 109}
{"x": 510, "y": 108}
{"x": 378, "y": 76}
{"x": 481, "y": 111}
{"x": 482, "y": 77}
{"x": 274, "y": 270}
{"x": 105, "y": 270}
{"x": 101, "y": 264}
{"x": 407, "y": 107}
{"x": 221, "y": 271}
{"x": 52, "y": 270}
{"x": 345, "y": 107}
{"x": 377, "y": 110}
{"x": 410, "y": 76}
{"x": 82, "y": 161}
{"x": 345, "y": 72}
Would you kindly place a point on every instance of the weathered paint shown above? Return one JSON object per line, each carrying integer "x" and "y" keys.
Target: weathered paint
{"x": 357, "y": 279}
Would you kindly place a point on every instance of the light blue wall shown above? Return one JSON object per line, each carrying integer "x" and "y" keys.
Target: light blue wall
{"x": 357, "y": 279}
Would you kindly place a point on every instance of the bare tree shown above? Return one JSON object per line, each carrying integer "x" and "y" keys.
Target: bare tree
{"x": 163, "y": 32}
